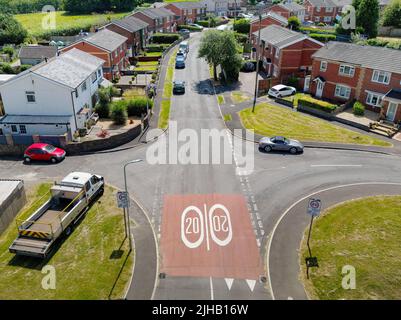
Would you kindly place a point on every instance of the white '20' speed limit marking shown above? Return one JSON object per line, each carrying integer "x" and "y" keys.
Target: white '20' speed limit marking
{"x": 205, "y": 225}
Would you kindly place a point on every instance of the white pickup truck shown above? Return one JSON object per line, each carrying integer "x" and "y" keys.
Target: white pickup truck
{"x": 69, "y": 201}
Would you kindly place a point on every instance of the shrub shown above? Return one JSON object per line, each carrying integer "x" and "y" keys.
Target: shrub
{"x": 322, "y": 37}
{"x": 317, "y": 30}
{"x": 9, "y": 51}
{"x": 293, "y": 81}
{"x": 6, "y": 68}
{"x": 137, "y": 107}
{"x": 165, "y": 37}
{"x": 242, "y": 26}
{"x": 156, "y": 47}
{"x": 103, "y": 110}
{"x": 294, "y": 23}
{"x": 190, "y": 28}
{"x": 119, "y": 112}
{"x": 316, "y": 104}
{"x": 358, "y": 109}
{"x": 241, "y": 37}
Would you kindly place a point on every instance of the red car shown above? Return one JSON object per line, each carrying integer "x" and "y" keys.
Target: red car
{"x": 43, "y": 152}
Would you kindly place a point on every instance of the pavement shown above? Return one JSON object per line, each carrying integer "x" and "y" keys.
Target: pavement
{"x": 244, "y": 213}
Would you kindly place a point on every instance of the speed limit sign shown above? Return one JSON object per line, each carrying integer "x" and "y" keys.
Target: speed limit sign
{"x": 314, "y": 207}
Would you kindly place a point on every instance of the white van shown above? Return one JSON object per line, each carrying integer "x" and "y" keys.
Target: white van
{"x": 184, "y": 47}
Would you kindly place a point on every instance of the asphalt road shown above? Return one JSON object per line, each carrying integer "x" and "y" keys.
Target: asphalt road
{"x": 278, "y": 180}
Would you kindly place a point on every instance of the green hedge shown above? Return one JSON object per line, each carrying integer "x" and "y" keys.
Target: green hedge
{"x": 317, "y": 104}
{"x": 317, "y": 30}
{"x": 119, "y": 112}
{"x": 241, "y": 37}
{"x": 165, "y": 38}
{"x": 156, "y": 47}
{"x": 190, "y": 28}
{"x": 137, "y": 107}
{"x": 358, "y": 109}
{"x": 322, "y": 37}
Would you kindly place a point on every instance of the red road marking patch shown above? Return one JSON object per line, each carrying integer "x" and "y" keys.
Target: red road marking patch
{"x": 208, "y": 235}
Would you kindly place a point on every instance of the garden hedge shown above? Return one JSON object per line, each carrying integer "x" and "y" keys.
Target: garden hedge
{"x": 317, "y": 104}
{"x": 323, "y": 37}
{"x": 165, "y": 38}
{"x": 190, "y": 28}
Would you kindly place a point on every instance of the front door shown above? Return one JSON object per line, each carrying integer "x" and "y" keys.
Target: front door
{"x": 391, "y": 111}
{"x": 319, "y": 89}
{"x": 306, "y": 84}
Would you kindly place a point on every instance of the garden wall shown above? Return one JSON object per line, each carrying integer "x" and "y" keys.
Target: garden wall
{"x": 389, "y": 32}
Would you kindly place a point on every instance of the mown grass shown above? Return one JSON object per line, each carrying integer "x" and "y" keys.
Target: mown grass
{"x": 363, "y": 233}
{"x": 227, "y": 117}
{"x": 33, "y": 21}
{"x": 164, "y": 114}
{"x": 271, "y": 120}
{"x": 167, "y": 90}
{"x": 220, "y": 99}
{"x": 87, "y": 264}
{"x": 239, "y": 97}
{"x": 296, "y": 97}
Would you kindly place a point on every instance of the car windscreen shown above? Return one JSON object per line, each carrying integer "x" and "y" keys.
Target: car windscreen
{"x": 274, "y": 90}
{"x": 49, "y": 148}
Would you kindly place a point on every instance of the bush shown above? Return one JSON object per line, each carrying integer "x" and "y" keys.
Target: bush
{"x": 317, "y": 104}
{"x": 156, "y": 47}
{"x": 317, "y": 30}
{"x": 323, "y": 37}
{"x": 137, "y": 107}
{"x": 242, "y": 26}
{"x": 190, "y": 28}
{"x": 248, "y": 66}
{"x": 165, "y": 37}
{"x": 119, "y": 112}
{"x": 241, "y": 37}
{"x": 6, "y": 68}
{"x": 358, "y": 109}
{"x": 293, "y": 81}
{"x": 9, "y": 51}
{"x": 294, "y": 23}
{"x": 103, "y": 110}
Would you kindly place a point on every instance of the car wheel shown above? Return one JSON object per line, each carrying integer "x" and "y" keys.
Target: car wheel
{"x": 293, "y": 150}
{"x": 53, "y": 160}
{"x": 68, "y": 231}
{"x": 279, "y": 96}
{"x": 293, "y": 93}
{"x": 267, "y": 148}
{"x": 27, "y": 160}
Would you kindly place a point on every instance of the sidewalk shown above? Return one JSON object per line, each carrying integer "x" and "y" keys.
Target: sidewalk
{"x": 229, "y": 107}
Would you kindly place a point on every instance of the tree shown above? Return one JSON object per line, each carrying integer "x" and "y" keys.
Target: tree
{"x": 220, "y": 48}
{"x": 392, "y": 14}
{"x": 367, "y": 16}
{"x": 242, "y": 26}
{"x": 11, "y": 31}
{"x": 294, "y": 23}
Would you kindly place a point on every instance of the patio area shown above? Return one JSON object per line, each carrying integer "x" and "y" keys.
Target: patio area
{"x": 140, "y": 80}
{"x": 365, "y": 120}
{"x": 105, "y": 128}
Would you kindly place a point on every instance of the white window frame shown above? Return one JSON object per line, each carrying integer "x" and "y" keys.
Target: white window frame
{"x": 378, "y": 73}
{"x": 30, "y": 94}
{"x": 371, "y": 95}
{"x": 317, "y": 19}
{"x": 341, "y": 70}
{"x": 327, "y": 19}
{"x": 338, "y": 92}
{"x": 329, "y": 9}
{"x": 323, "y": 63}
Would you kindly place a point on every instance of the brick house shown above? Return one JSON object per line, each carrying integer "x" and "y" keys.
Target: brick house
{"x": 106, "y": 45}
{"x": 159, "y": 19}
{"x": 321, "y": 10}
{"x": 135, "y": 30}
{"x": 289, "y": 9}
{"x": 345, "y": 71}
{"x": 267, "y": 19}
{"x": 285, "y": 53}
{"x": 187, "y": 12}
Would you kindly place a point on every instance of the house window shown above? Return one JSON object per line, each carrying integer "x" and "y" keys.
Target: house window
{"x": 94, "y": 77}
{"x": 342, "y": 91}
{"x": 327, "y": 19}
{"x": 317, "y": 19}
{"x": 13, "y": 128}
{"x": 99, "y": 73}
{"x": 329, "y": 9}
{"x": 323, "y": 66}
{"x": 381, "y": 77}
{"x": 346, "y": 70}
{"x": 84, "y": 86}
{"x": 317, "y": 9}
{"x": 30, "y": 96}
{"x": 374, "y": 99}
{"x": 22, "y": 129}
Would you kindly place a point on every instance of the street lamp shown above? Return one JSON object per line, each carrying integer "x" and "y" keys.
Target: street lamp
{"x": 257, "y": 62}
{"x": 126, "y": 216}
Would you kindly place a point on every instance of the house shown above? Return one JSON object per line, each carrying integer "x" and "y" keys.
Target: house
{"x": 106, "y": 45}
{"x": 267, "y": 19}
{"x": 187, "y": 12}
{"x": 289, "y": 9}
{"x": 217, "y": 7}
{"x": 159, "y": 19}
{"x": 53, "y": 98}
{"x": 342, "y": 3}
{"x": 324, "y": 11}
{"x": 134, "y": 29}
{"x": 33, "y": 54}
{"x": 284, "y": 52}
{"x": 234, "y": 8}
{"x": 345, "y": 71}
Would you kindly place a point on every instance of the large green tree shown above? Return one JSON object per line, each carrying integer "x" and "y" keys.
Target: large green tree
{"x": 367, "y": 16}
{"x": 11, "y": 31}
{"x": 392, "y": 14}
{"x": 220, "y": 48}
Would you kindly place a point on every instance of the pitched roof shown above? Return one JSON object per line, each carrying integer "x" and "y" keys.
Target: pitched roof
{"x": 292, "y": 6}
{"x": 323, "y": 3}
{"x": 155, "y": 13}
{"x": 131, "y": 24}
{"x": 106, "y": 39}
{"x": 279, "y": 36}
{"x": 379, "y": 58}
{"x": 37, "y": 52}
{"x": 187, "y": 4}
{"x": 69, "y": 69}
{"x": 272, "y": 15}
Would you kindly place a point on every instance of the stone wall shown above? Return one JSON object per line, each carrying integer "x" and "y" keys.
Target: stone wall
{"x": 11, "y": 206}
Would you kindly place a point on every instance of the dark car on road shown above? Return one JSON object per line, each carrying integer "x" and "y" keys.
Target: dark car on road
{"x": 178, "y": 87}
{"x": 180, "y": 62}
{"x": 280, "y": 144}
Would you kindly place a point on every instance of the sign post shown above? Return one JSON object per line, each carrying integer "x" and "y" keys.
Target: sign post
{"x": 123, "y": 202}
{"x": 314, "y": 208}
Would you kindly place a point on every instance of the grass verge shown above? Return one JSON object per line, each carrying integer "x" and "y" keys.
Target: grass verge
{"x": 363, "y": 233}
{"x": 220, "y": 99}
{"x": 164, "y": 114}
{"x": 167, "y": 90}
{"x": 271, "y": 120}
{"x": 88, "y": 264}
{"x": 227, "y": 117}
{"x": 239, "y": 97}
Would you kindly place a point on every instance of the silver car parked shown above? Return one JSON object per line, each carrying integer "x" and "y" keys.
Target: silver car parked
{"x": 280, "y": 144}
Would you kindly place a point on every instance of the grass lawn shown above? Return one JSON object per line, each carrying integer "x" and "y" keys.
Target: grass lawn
{"x": 239, "y": 97}
{"x": 153, "y": 54}
{"x": 134, "y": 93}
{"x": 164, "y": 114}
{"x": 295, "y": 98}
{"x": 148, "y": 68}
{"x": 33, "y": 21}
{"x": 271, "y": 120}
{"x": 87, "y": 263}
{"x": 364, "y": 233}
{"x": 227, "y": 117}
{"x": 147, "y": 63}
{"x": 220, "y": 99}
{"x": 167, "y": 89}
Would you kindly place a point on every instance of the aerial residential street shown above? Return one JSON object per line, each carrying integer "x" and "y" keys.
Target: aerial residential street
{"x": 254, "y": 266}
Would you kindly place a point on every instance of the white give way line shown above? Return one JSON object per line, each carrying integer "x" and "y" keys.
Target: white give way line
{"x": 335, "y": 165}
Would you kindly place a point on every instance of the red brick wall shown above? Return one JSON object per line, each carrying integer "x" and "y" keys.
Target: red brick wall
{"x": 146, "y": 19}
{"x": 281, "y": 11}
{"x": 267, "y": 21}
{"x": 367, "y": 84}
{"x": 311, "y": 12}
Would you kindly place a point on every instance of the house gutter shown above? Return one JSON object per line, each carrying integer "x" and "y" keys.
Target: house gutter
{"x": 73, "y": 108}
